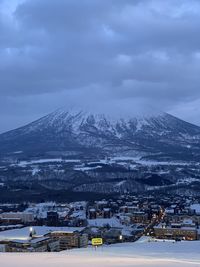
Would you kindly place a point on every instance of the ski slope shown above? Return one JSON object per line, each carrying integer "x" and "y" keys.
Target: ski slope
{"x": 141, "y": 253}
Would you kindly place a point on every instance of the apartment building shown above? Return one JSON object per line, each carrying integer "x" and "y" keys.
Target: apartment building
{"x": 69, "y": 239}
{"x": 176, "y": 231}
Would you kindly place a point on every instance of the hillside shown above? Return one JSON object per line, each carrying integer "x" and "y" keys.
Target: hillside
{"x": 140, "y": 254}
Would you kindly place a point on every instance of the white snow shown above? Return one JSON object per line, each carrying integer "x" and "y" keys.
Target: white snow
{"x": 138, "y": 160}
{"x": 87, "y": 168}
{"x": 141, "y": 123}
{"x": 138, "y": 254}
{"x": 35, "y": 170}
{"x": 79, "y": 214}
{"x": 24, "y": 163}
{"x": 100, "y": 222}
{"x": 120, "y": 183}
{"x": 18, "y": 152}
{"x": 196, "y": 207}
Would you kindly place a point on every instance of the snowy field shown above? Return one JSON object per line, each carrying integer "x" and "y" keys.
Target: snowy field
{"x": 141, "y": 253}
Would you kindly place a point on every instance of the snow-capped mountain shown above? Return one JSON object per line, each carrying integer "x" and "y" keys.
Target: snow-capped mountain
{"x": 77, "y": 132}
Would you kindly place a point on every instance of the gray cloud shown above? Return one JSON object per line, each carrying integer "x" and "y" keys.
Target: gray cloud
{"x": 85, "y": 53}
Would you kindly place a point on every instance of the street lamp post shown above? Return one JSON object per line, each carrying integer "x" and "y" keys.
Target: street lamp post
{"x": 31, "y": 232}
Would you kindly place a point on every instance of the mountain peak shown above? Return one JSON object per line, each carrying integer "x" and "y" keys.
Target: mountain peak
{"x": 78, "y": 131}
{"x": 115, "y": 113}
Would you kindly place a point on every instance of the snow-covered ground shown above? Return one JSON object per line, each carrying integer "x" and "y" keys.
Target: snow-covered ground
{"x": 25, "y": 163}
{"x": 138, "y": 254}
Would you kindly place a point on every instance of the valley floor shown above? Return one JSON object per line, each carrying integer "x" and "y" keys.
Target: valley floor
{"x": 140, "y": 254}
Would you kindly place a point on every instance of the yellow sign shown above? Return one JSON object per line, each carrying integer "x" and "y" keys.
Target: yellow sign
{"x": 97, "y": 241}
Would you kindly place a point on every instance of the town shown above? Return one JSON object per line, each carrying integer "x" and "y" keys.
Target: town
{"x": 51, "y": 226}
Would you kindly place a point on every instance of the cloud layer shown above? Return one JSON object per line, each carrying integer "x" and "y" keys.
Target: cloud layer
{"x": 86, "y": 53}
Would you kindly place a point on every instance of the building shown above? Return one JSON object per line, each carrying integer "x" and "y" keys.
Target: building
{"x": 139, "y": 217}
{"x": 107, "y": 213}
{"x": 177, "y": 218}
{"x": 38, "y": 244}
{"x": 68, "y": 240}
{"x": 176, "y": 231}
{"x": 2, "y": 248}
{"x": 52, "y": 218}
{"x": 112, "y": 236}
{"x": 18, "y": 217}
{"x": 128, "y": 209}
{"x": 44, "y": 238}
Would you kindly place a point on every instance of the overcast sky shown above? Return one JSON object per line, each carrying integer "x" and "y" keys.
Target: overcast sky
{"x": 98, "y": 53}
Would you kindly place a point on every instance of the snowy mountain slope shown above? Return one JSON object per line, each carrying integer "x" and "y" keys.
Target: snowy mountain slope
{"x": 86, "y": 133}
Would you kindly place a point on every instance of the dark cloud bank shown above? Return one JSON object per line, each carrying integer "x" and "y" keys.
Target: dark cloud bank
{"x": 98, "y": 54}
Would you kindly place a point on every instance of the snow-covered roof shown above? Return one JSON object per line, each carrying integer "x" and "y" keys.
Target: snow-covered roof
{"x": 169, "y": 211}
{"x": 100, "y": 222}
{"x": 196, "y": 207}
{"x": 23, "y": 233}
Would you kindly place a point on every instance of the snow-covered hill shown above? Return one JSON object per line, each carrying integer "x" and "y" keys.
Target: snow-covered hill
{"x": 141, "y": 253}
{"x": 79, "y": 132}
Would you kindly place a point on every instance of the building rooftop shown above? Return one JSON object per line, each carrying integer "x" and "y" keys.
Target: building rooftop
{"x": 24, "y": 233}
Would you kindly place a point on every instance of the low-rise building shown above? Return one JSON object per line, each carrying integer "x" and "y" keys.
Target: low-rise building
{"x": 177, "y": 218}
{"x": 2, "y": 248}
{"x": 44, "y": 238}
{"x": 17, "y": 216}
{"x": 112, "y": 236}
{"x": 139, "y": 217}
{"x": 175, "y": 231}
{"x": 67, "y": 239}
{"x": 41, "y": 244}
{"x": 52, "y": 218}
